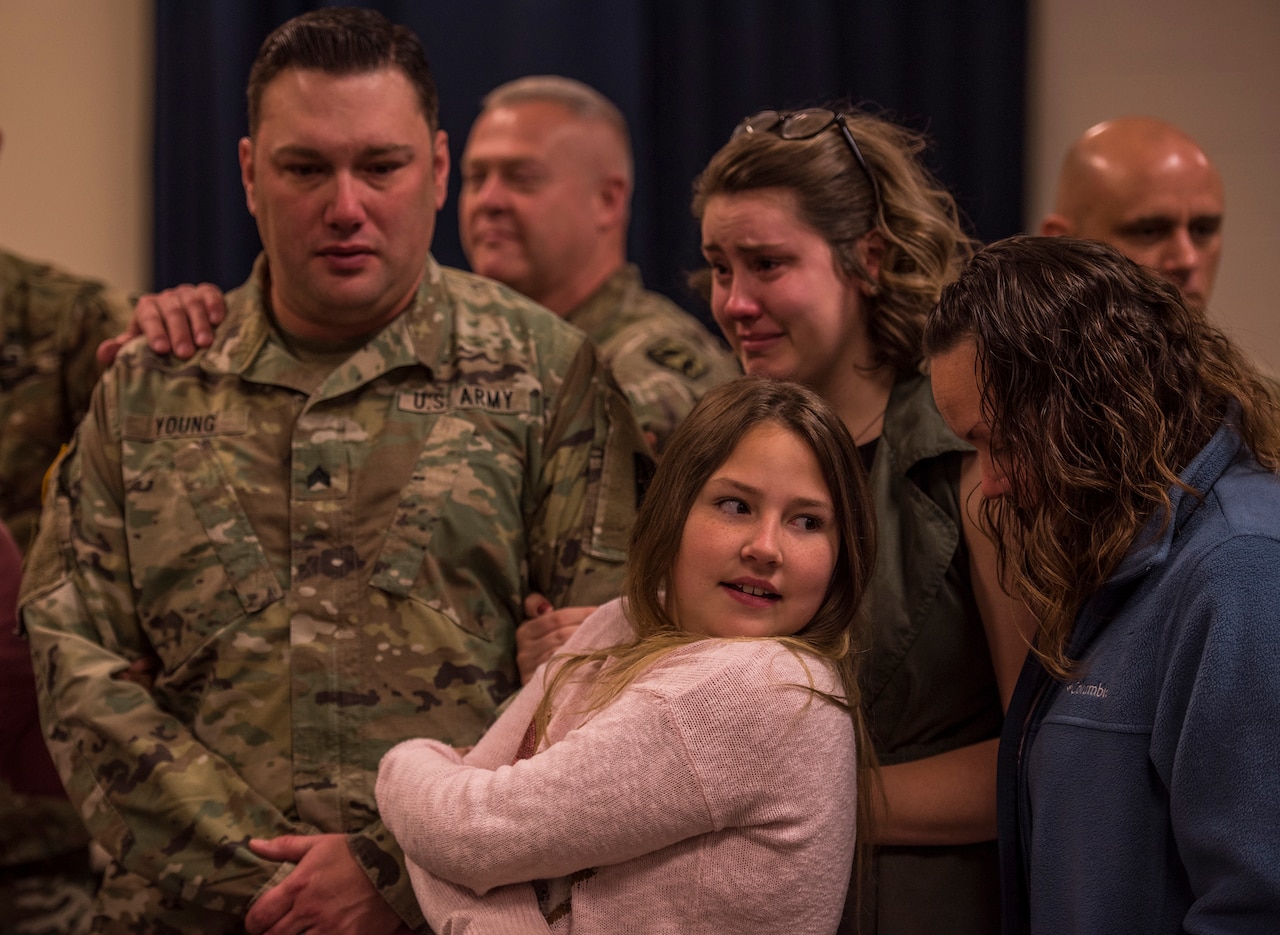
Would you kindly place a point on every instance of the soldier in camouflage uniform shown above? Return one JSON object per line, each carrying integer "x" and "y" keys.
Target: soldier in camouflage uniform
{"x": 546, "y": 193}
{"x": 545, "y": 200}
{"x": 323, "y": 529}
{"x": 50, "y": 326}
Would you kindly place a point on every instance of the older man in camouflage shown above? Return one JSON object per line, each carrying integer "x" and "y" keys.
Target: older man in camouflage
{"x": 322, "y": 525}
{"x": 547, "y": 178}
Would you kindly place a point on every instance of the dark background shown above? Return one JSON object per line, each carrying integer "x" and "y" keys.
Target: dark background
{"x": 684, "y": 72}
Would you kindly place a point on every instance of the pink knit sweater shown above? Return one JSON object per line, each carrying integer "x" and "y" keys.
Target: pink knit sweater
{"x": 711, "y": 796}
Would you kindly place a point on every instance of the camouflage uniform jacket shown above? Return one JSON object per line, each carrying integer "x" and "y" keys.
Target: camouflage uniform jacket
{"x": 661, "y": 356}
{"x": 51, "y": 324}
{"x": 322, "y": 574}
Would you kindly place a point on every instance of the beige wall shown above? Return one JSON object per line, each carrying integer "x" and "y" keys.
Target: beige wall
{"x": 75, "y": 111}
{"x": 1213, "y": 68}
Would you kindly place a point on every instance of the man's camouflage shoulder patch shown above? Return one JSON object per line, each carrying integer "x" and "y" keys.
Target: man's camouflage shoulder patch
{"x": 678, "y": 357}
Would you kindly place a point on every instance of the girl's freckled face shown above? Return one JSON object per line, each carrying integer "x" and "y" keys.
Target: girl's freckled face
{"x": 760, "y": 542}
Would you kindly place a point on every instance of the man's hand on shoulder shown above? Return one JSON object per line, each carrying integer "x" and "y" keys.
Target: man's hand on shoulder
{"x": 178, "y": 320}
{"x": 327, "y": 893}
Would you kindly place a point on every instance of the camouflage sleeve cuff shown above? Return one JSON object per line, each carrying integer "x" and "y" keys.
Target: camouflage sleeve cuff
{"x": 381, "y": 858}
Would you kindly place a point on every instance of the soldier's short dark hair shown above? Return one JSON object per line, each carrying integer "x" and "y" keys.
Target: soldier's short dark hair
{"x": 343, "y": 41}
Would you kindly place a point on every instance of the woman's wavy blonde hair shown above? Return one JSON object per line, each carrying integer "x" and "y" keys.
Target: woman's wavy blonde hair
{"x": 924, "y": 243}
{"x": 1100, "y": 385}
{"x": 704, "y": 441}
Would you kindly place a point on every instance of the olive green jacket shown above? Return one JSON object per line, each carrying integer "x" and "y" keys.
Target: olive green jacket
{"x": 927, "y": 682}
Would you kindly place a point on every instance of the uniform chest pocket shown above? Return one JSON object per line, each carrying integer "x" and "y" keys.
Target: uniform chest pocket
{"x": 455, "y": 543}
{"x": 197, "y": 564}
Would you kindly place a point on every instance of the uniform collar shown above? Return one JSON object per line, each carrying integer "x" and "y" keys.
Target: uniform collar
{"x": 419, "y": 335}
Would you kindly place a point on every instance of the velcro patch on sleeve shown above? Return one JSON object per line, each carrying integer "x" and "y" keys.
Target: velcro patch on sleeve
{"x": 678, "y": 357}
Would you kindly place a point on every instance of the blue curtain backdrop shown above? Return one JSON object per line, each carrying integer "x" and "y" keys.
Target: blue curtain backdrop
{"x": 683, "y": 71}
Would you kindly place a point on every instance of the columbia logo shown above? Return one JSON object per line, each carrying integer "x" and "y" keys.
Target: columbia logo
{"x": 1093, "y": 691}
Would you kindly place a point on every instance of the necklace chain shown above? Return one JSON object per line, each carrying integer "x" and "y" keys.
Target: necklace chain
{"x": 857, "y": 439}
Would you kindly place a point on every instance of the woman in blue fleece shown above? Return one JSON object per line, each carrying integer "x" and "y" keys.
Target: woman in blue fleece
{"x": 1129, "y": 457}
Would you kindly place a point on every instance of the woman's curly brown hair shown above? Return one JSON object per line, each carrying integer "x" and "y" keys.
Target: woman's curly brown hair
{"x": 1099, "y": 385}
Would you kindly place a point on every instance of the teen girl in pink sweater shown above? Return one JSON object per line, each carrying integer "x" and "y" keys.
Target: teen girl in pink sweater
{"x": 688, "y": 765}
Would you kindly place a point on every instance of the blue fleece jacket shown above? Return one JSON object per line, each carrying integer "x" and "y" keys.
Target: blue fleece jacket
{"x": 1143, "y": 796}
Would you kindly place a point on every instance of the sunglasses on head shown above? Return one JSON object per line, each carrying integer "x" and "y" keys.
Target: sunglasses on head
{"x": 804, "y": 124}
